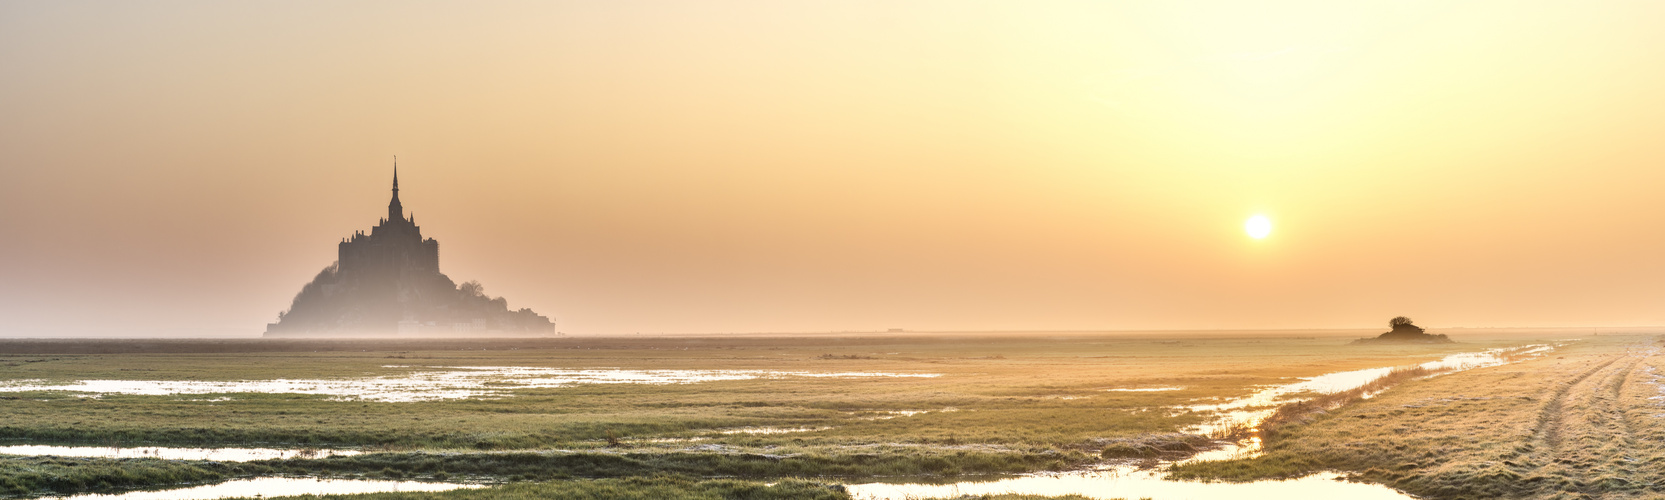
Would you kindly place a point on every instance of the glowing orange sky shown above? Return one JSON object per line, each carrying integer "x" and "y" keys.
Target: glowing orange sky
{"x": 174, "y": 168}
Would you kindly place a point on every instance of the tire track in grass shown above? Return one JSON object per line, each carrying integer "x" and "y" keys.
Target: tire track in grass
{"x": 1546, "y": 455}
{"x": 1610, "y": 440}
{"x": 1550, "y": 418}
{"x": 1585, "y": 442}
{"x": 1642, "y": 458}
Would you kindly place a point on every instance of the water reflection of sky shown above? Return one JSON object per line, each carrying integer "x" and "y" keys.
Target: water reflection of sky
{"x": 272, "y": 487}
{"x": 431, "y": 385}
{"x": 1254, "y": 408}
{"x": 462, "y": 382}
{"x": 1130, "y": 483}
{"x": 215, "y": 454}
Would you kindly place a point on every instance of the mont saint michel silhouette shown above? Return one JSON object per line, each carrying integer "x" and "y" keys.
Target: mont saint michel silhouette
{"x": 387, "y": 283}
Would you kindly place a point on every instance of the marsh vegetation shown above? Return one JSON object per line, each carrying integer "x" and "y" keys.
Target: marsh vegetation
{"x": 1585, "y": 422}
{"x": 994, "y": 405}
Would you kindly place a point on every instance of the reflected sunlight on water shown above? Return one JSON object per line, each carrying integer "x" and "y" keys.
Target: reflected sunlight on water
{"x": 1131, "y": 483}
{"x": 215, "y": 454}
{"x": 1252, "y": 409}
{"x": 431, "y": 385}
{"x": 274, "y": 486}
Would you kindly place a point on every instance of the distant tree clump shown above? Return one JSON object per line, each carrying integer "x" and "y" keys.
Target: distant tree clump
{"x": 1403, "y": 331}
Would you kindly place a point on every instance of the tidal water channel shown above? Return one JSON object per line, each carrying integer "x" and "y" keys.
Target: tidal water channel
{"x": 273, "y": 486}
{"x": 1252, "y": 409}
{"x": 215, "y": 454}
{"x": 423, "y": 384}
{"x": 1111, "y": 481}
{"x": 1133, "y": 483}
{"x": 1127, "y": 481}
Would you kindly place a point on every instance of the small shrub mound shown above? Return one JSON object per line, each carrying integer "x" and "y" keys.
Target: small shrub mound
{"x": 1404, "y": 332}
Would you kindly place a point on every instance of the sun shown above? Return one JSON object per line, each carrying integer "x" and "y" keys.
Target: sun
{"x": 1258, "y": 226}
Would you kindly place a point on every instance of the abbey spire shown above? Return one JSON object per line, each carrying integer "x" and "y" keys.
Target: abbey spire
{"x": 387, "y": 282}
{"x": 395, "y": 211}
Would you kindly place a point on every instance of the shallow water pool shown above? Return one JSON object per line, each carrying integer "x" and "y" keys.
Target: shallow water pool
{"x": 1252, "y": 409}
{"x": 1127, "y": 482}
{"x": 274, "y": 486}
{"x": 439, "y": 383}
{"x": 215, "y": 454}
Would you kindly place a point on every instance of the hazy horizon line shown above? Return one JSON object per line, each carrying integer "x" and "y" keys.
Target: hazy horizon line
{"x": 823, "y": 332}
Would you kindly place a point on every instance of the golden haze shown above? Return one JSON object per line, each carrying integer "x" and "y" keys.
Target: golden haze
{"x": 182, "y": 168}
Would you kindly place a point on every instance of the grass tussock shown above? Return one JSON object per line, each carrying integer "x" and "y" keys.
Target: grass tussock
{"x": 1156, "y": 446}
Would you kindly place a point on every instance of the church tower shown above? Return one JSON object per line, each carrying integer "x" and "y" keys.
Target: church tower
{"x": 388, "y": 282}
{"x": 395, "y": 210}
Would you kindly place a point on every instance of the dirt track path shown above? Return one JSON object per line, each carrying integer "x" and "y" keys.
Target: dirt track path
{"x": 1585, "y": 421}
{"x": 1586, "y": 440}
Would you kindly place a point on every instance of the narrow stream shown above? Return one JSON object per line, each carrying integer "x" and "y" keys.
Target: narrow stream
{"x": 1104, "y": 483}
{"x": 274, "y": 486}
{"x": 1132, "y": 482}
{"x": 1254, "y": 408}
{"x": 428, "y": 383}
{"x": 215, "y": 454}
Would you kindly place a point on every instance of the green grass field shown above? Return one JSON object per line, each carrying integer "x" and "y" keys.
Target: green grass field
{"x": 1003, "y": 403}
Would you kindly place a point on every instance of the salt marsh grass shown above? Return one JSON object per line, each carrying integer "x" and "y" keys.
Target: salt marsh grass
{"x": 1014, "y": 400}
{"x": 997, "y": 403}
{"x": 1575, "y": 424}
